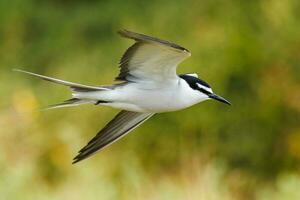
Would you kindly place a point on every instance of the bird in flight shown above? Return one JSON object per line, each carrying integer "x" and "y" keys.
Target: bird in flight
{"x": 147, "y": 84}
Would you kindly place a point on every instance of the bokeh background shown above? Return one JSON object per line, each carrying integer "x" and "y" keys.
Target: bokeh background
{"x": 249, "y": 51}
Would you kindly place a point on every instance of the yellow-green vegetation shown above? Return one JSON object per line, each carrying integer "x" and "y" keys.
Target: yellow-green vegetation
{"x": 249, "y": 51}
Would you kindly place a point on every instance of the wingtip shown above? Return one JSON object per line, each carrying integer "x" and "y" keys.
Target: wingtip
{"x": 131, "y": 34}
{"x": 75, "y": 161}
{"x": 79, "y": 158}
{"x": 121, "y": 30}
{"x": 125, "y": 33}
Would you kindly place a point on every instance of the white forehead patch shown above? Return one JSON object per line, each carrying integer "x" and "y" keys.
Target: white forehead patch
{"x": 193, "y": 75}
{"x": 204, "y": 87}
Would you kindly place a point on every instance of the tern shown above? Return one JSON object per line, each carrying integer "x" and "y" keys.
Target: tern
{"x": 147, "y": 84}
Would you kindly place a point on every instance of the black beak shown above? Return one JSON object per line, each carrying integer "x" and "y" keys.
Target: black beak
{"x": 218, "y": 98}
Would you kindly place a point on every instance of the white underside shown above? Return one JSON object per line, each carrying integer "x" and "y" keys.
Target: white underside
{"x": 148, "y": 96}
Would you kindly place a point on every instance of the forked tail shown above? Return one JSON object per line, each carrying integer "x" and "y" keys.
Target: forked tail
{"x": 69, "y": 103}
{"x": 75, "y": 87}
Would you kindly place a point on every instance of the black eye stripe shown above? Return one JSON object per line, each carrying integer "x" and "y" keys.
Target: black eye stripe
{"x": 193, "y": 81}
{"x": 204, "y": 91}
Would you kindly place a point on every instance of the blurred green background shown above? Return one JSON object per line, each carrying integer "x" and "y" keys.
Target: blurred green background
{"x": 249, "y": 51}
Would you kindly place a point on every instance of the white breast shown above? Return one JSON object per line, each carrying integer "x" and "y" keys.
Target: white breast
{"x": 149, "y": 97}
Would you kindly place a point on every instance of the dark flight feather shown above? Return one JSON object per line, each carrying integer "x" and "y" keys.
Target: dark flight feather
{"x": 123, "y": 123}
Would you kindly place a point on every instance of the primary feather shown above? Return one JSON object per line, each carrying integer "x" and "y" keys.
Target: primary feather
{"x": 150, "y": 58}
{"x": 123, "y": 123}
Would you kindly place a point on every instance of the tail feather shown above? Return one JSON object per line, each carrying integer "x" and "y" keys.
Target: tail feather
{"x": 73, "y": 86}
{"x": 69, "y": 103}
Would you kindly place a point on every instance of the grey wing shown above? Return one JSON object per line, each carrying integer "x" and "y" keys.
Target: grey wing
{"x": 120, "y": 125}
{"x": 150, "y": 58}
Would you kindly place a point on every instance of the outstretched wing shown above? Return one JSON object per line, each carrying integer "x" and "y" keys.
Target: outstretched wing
{"x": 150, "y": 58}
{"x": 123, "y": 123}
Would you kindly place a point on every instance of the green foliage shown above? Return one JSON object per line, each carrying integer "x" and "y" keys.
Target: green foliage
{"x": 247, "y": 50}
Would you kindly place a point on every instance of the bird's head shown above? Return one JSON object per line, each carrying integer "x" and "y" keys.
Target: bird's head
{"x": 201, "y": 86}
